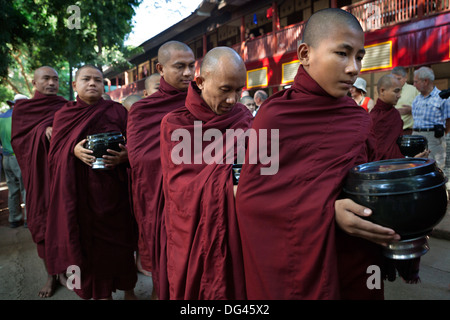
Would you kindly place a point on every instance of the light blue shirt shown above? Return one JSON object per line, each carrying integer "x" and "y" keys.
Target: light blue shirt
{"x": 430, "y": 110}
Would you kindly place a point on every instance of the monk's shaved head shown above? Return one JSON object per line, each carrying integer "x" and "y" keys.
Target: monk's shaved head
{"x": 211, "y": 60}
{"x": 77, "y": 73}
{"x": 43, "y": 69}
{"x": 319, "y": 25}
{"x": 165, "y": 51}
{"x": 387, "y": 81}
{"x": 46, "y": 80}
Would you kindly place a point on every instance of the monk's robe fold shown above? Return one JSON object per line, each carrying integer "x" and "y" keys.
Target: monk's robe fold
{"x": 90, "y": 223}
{"x": 387, "y": 126}
{"x": 203, "y": 245}
{"x": 290, "y": 241}
{"x": 144, "y": 122}
{"x": 30, "y": 119}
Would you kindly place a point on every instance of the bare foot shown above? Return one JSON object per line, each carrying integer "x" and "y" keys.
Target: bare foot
{"x": 63, "y": 280}
{"x": 49, "y": 287}
{"x": 139, "y": 266}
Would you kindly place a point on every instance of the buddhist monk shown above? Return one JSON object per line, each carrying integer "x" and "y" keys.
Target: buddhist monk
{"x": 90, "y": 225}
{"x": 203, "y": 247}
{"x": 387, "y": 123}
{"x": 176, "y": 65}
{"x": 292, "y": 222}
{"x": 152, "y": 84}
{"x": 32, "y": 124}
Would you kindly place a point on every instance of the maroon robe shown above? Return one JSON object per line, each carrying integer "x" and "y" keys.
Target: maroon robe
{"x": 30, "y": 119}
{"x": 203, "y": 247}
{"x": 89, "y": 223}
{"x": 387, "y": 126}
{"x": 144, "y": 121}
{"x": 291, "y": 243}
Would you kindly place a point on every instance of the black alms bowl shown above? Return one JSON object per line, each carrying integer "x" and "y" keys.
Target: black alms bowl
{"x": 100, "y": 142}
{"x": 412, "y": 145}
{"x": 407, "y": 195}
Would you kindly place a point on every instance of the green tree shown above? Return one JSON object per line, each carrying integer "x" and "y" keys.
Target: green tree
{"x": 38, "y": 32}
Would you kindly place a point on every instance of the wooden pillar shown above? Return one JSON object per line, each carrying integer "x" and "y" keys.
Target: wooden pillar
{"x": 275, "y": 26}
{"x": 333, "y": 3}
{"x": 242, "y": 29}
{"x": 205, "y": 49}
{"x": 420, "y": 8}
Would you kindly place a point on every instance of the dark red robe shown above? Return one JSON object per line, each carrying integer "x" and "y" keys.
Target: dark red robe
{"x": 203, "y": 245}
{"x": 387, "y": 126}
{"x": 291, "y": 244}
{"x": 30, "y": 119}
{"x": 144, "y": 121}
{"x": 89, "y": 223}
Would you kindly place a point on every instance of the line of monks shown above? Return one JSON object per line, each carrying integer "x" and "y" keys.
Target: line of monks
{"x": 281, "y": 236}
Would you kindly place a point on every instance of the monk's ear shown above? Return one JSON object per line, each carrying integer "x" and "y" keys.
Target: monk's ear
{"x": 74, "y": 85}
{"x": 303, "y": 53}
{"x": 159, "y": 68}
{"x": 200, "y": 81}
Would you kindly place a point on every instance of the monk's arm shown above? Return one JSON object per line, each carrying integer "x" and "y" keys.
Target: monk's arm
{"x": 348, "y": 213}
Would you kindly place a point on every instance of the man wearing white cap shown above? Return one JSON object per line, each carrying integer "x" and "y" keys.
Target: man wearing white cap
{"x": 11, "y": 168}
{"x": 358, "y": 92}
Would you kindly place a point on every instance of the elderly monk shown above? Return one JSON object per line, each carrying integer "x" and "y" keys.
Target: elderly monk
{"x": 90, "y": 224}
{"x": 152, "y": 84}
{"x": 32, "y": 123}
{"x": 176, "y": 64}
{"x": 292, "y": 247}
{"x": 204, "y": 253}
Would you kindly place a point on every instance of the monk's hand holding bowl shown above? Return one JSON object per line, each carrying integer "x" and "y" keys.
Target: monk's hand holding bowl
{"x": 348, "y": 217}
{"x": 84, "y": 154}
{"x": 117, "y": 157}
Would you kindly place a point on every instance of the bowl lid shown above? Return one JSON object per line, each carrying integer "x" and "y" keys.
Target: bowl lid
{"x": 104, "y": 135}
{"x": 394, "y": 176}
{"x": 410, "y": 139}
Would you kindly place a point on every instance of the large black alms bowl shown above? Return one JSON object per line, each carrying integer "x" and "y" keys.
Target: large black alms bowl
{"x": 408, "y": 195}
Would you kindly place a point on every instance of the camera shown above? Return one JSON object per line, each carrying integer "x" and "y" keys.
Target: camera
{"x": 445, "y": 94}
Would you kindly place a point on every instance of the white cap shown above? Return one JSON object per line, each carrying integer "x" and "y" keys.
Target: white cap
{"x": 360, "y": 84}
{"x": 17, "y": 97}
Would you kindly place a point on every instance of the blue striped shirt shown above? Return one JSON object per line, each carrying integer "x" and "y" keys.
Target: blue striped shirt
{"x": 430, "y": 110}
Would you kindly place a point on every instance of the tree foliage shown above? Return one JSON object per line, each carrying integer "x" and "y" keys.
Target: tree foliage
{"x": 36, "y": 33}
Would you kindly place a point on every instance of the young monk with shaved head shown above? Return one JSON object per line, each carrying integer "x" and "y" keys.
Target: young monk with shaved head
{"x": 32, "y": 124}
{"x": 204, "y": 258}
{"x": 176, "y": 65}
{"x": 152, "y": 84}
{"x": 90, "y": 224}
{"x": 292, "y": 222}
